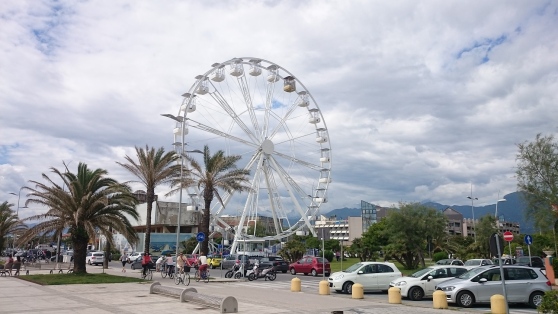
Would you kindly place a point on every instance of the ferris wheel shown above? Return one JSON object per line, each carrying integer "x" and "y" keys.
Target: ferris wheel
{"x": 258, "y": 110}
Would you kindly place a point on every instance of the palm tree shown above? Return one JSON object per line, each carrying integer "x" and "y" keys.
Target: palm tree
{"x": 154, "y": 168}
{"x": 219, "y": 172}
{"x": 9, "y": 223}
{"x": 93, "y": 203}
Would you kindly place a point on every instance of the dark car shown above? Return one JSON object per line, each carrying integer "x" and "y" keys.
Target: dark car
{"x": 276, "y": 261}
{"x": 535, "y": 261}
{"x": 137, "y": 263}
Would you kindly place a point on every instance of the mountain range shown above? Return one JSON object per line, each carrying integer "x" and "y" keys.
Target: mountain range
{"x": 513, "y": 210}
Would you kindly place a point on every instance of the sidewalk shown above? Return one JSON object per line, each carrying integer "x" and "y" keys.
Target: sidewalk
{"x": 19, "y": 296}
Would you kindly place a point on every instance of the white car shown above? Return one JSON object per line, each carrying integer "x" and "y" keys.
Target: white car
{"x": 373, "y": 276}
{"x": 476, "y": 262}
{"x": 423, "y": 283}
{"x": 95, "y": 258}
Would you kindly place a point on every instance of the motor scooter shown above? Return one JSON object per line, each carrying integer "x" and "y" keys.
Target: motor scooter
{"x": 267, "y": 273}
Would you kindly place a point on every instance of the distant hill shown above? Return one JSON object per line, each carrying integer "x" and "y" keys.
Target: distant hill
{"x": 512, "y": 209}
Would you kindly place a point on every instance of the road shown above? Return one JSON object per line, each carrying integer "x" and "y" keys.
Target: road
{"x": 310, "y": 284}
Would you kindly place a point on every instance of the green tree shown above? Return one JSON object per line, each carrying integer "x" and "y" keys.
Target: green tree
{"x": 312, "y": 242}
{"x": 361, "y": 248}
{"x": 484, "y": 229}
{"x": 537, "y": 177}
{"x": 154, "y": 167}
{"x": 9, "y": 224}
{"x": 189, "y": 245}
{"x": 408, "y": 229}
{"x": 293, "y": 250}
{"x": 218, "y": 172}
{"x": 258, "y": 231}
{"x": 86, "y": 203}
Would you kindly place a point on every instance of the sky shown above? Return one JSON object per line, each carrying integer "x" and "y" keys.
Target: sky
{"x": 423, "y": 100}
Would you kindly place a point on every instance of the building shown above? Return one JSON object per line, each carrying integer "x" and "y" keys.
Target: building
{"x": 457, "y": 225}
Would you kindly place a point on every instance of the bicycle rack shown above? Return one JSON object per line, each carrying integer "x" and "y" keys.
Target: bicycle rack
{"x": 223, "y": 304}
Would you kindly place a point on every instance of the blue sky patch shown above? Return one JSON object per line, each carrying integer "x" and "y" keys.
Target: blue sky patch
{"x": 486, "y": 45}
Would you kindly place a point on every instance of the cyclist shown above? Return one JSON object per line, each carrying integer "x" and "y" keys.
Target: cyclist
{"x": 145, "y": 262}
{"x": 159, "y": 262}
{"x": 170, "y": 265}
{"x": 181, "y": 261}
{"x": 202, "y": 261}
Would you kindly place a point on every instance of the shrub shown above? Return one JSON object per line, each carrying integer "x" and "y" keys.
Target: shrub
{"x": 328, "y": 255}
{"x": 549, "y": 303}
{"x": 439, "y": 256}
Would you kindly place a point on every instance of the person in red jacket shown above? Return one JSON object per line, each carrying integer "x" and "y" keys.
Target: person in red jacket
{"x": 145, "y": 262}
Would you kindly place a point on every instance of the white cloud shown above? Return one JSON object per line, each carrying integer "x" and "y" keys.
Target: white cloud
{"x": 421, "y": 99}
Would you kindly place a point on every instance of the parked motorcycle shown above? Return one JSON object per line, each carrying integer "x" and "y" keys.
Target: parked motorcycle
{"x": 257, "y": 272}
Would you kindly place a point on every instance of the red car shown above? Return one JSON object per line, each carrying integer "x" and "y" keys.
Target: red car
{"x": 310, "y": 265}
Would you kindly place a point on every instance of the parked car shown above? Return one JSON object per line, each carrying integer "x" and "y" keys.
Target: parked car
{"x": 137, "y": 263}
{"x": 277, "y": 262}
{"x": 311, "y": 265}
{"x": 450, "y": 261}
{"x": 371, "y": 275}
{"x": 95, "y": 258}
{"x": 423, "y": 282}
{"x": 505, "y": 261}
{"x": 535, "y": 261}
{"x": 192, "y": 258}
{"x": 523, "y": 285}
{"x": 229, "y": 261}
{"x": 134, "y": 256}
{"x": 476, "y": 262}
{"x": 214, "y": 260}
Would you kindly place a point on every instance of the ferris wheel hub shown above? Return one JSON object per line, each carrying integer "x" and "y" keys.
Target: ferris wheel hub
{"x": 268, "y": 147}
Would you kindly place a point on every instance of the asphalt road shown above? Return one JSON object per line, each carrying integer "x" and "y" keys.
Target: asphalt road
{"x": 312, "y": 283}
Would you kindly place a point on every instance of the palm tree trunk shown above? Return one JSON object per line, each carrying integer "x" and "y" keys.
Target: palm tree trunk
{"x": 79, "y": 241}
{"x": 150, "y": 197}
{"x": 205, "y": 227}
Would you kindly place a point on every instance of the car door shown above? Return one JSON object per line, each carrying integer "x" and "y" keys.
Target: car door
{"x": 306, "y": 265}
{"x": 518, "y": 281}
{"x": 367, "y": 276}
{"x": 385, "y": 275}
{"x": 493, "y": 285}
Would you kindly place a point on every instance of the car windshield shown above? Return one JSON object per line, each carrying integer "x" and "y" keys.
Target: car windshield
{"x": 353, "y": 268}
{"x": 421, "y": 272}
{"x": 472, "y": 273}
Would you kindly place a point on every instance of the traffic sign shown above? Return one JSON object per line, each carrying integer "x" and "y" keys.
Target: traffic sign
{"x": 528, "y": 239}
{"x": 508, "y": 236}
{"x": 200, "y": 236}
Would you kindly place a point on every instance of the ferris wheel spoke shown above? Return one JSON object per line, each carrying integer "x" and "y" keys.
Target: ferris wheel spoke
{"x": 299, "y": 161}
{"x": 209, "y": 129}
{"x": 268, "y": 105}
{"x": 289, "y": 182}
{"x": 282, "y": 120}
{"x": 274, "y": 199}
{"x": 216, "y": 95}
{"x": 248, "y": 101}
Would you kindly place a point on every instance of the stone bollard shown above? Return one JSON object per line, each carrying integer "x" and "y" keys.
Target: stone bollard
{"x": 358, "y": 291}
{"x": 439, "y": 300}
{"x": 295, "y": 285}
{"x": 394, "y": 295}
{"x": 323, "y": 288}
{"x": 497, "y": 304}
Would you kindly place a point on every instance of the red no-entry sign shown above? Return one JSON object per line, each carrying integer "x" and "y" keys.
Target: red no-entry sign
{"x": 508, "y": 236}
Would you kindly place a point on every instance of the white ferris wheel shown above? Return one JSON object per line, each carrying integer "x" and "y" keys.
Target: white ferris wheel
{"x": 258, "y": 110}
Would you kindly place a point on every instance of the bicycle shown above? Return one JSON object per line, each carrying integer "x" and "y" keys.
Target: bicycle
{"x": 183, "y": 277}
{"x": 147, "y": 275}
{"x": 203, "y": 276}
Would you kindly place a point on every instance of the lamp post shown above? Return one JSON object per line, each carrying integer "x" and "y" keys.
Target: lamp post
{"x": 473, "y": 211}
{"x": 496, "y": 213}
{"x": 499, "y": 249}
{"x": 18, "y": 198}
{"x": 182, "y": 155}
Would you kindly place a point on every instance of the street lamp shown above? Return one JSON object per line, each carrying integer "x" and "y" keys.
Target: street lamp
{"x": 473, "y": 211}
{"x": 500, "y": 254}
{"x": 18, "y": 197}
{"x": 496, "y": 213}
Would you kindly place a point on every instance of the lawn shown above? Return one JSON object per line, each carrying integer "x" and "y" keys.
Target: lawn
{"x": 69, "y": 279}
{"x": 336, "y": 266}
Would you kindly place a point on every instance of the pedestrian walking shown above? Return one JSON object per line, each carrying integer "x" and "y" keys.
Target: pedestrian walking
{"x": 124, "y": 260}
{"x": 338, "y": 255}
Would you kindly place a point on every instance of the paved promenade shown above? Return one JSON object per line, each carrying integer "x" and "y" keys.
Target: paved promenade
{"x": 19, "y": 296}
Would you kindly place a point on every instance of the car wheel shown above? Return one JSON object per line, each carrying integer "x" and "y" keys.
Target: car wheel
{"x": 211, "y": 266}
{"x": 314, "y": 273}
{"x": 535, "y": 299}
{"x": 416, "y": 294}
{"x": 293, "y": 271}
{"x": 132, "y": 267}
{"x": 284, "y": 271}
{"x": 89, "y": 262}
{"x": 348, "y": 287}
{"x": 465, "y": 299}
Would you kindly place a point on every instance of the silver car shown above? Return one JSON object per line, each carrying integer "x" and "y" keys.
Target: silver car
{"x": 523, "y": 285}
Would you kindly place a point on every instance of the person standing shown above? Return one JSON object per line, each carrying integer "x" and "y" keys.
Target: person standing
{"x": 337, "y": 255}
{"x": 124, "y": 260}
